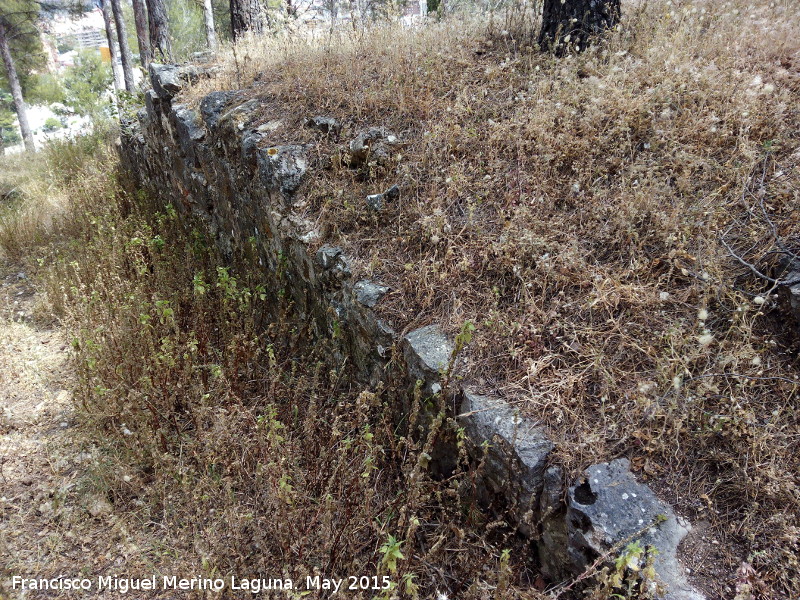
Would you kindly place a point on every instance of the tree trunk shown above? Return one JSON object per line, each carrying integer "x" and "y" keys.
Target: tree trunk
{"x": 570, "y": 25}
{"x": 113, "y": 46}
{"x": 159, "y": 31}
{"x": 16, "y": 90}
{"x": 142, "y": 35}
{"x": 247, "y": 15}
{"x": 124, "y": 48}
{"x": 211, "y": 35}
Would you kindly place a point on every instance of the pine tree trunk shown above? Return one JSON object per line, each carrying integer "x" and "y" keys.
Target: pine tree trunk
{"x": 247, "y": 15}
{"x": 211, "y": 35}
{"x": 570, "y": 25}
{"x": 16, "y": 90}
{"x": 124, "y": 48}
{"x": 113, "y": 46}
{"x": 142, "y": 35}
{"x": 160, "y": 45}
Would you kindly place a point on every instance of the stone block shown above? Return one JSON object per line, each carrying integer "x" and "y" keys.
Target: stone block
{"x": 516, "y": 450}
{"x": 607, "y": 506}
{"x": 427, "y": 353}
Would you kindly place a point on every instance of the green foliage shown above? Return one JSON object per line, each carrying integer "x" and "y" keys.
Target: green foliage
{"x": 186, "y": 27}
{"x": 391, "y": 553}
{"x": 632, "y": 575}
{"x": 52, "y": 124}
{"x": 196, "y": 375}
{"x": 66, "y": 44}
{"x": 9, "y": 134}
{"x": 20, "y": 20}
{"x": 45, "y": 88}
{"x": 86, "y": 84}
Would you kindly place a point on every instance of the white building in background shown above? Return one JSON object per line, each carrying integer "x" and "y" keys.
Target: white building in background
{"x": 90, "y": 38}
{"x": 85, "y": 31}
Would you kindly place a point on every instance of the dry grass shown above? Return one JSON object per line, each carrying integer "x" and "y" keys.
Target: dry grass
{"x": 27, "y": 205}
{"x": 218, "y": 443}
{"x": 572, "y": 209}
{"x": 34, "y": 191}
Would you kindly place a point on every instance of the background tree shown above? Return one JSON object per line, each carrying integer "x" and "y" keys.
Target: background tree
{"x": 187, "y": 26}
{"x": 571, "y": 24}
{"x": 248, "y": 15}
{"x": 8, "y": 128}
{"x": 208, "y": 18}
{"x": 52, "y": 124}
{"x": 113, "y": 44}
{"x": 142, "y": 31}
{"x": 43, "y": 88}
{"x": 160, "y": 44}
{"x": 124, "y": 48}
{"x": 18, "y": 29}
{"x": 86, "y": 85}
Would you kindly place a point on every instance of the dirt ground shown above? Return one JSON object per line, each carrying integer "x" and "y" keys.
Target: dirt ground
{"x": 54, "y": 521}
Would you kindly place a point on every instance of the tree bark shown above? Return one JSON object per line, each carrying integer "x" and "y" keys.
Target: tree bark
{"x": 570, "y": 25}
{"x": 124, "y": 48}
{"x": 160, "y": 44}
{"x": 142, "y": 34}
{"x": 211, "y": 34}
{"x": 113, "y": 45}
{"x": 247, "y": 15}
{"x": 16, "y": 90}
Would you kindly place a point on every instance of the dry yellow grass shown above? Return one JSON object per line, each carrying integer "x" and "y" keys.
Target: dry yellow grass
{"x": 34, "y": 192}
{"x": 572, "y": 210}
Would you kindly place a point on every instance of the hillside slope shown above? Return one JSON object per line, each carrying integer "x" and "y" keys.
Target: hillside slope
{"x": 601, "y": 219}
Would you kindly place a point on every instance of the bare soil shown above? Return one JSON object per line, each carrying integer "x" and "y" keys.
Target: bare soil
{"x": 54, "y": 519}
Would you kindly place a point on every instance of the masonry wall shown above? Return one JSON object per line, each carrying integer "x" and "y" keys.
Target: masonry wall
{"x": 219, "y": 167}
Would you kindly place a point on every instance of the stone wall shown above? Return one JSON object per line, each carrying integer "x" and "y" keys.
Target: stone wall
{"x": 219, "y": 167}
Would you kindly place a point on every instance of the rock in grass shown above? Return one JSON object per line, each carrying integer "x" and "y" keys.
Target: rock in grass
{"x": 283, "y": 167}
{"x": 327, "y": 256}
{"x": 427, "y": 353}
{"x": 331, "y": 258}
{"x": 326, "y": 125}
{"x": 168, "y": 80}
{"x": 516, "y": 454}
{"x": 188, "y": 127}
{"x": 376, "y": 202}
{"x": 371, "y": 144}
{"x": 165, "y": 80}
{"x": 608, "y": 506}
{"x": 369, "y": 293}
{"x": 212, "y": 106}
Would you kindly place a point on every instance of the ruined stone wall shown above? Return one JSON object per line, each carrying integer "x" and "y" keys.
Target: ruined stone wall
{"x": 220, "y": 167}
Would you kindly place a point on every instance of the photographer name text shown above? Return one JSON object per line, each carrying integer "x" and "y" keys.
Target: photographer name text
{"x": 254, "y": 585}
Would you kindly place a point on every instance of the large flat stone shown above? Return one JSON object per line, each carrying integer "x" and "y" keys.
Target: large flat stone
{"x": 165, "y": 80}
{"x": 213, "y": 105}
{"x": 427, "y": 352}
{"x": 608, "y": 506}
{"x": 516, "y": 451}
{"x": 188, "y": 127}
{"x": 283, "y": 168}
{"x": 369, "y": 293}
